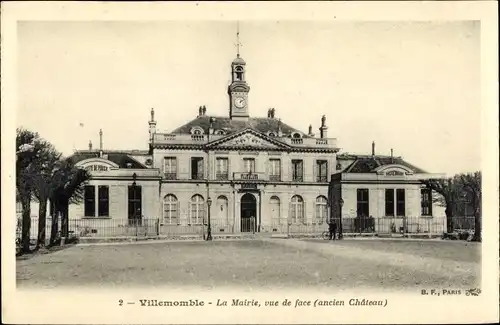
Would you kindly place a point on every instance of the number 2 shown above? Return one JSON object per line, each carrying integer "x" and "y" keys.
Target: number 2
{"x": 120, "y": 302}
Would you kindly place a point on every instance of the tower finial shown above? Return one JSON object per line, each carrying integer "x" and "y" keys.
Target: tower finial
{"x": 238, "y": 43}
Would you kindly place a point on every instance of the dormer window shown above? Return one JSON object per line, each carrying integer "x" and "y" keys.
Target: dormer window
{"x": 296, "y": 135}
{"x": 271, "y": 134}
{"x": 220, "y": 132}
{"x": 197, "y": 130}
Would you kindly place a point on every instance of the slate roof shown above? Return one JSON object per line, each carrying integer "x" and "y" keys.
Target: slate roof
{"x": 121, "y": 158}
{"x": 368, "y": 163}
{"x": 260, "y": 124}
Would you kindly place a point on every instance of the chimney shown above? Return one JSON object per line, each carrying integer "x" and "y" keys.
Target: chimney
{"x": 90, "y": 145}
{"x": 200, "y": 111}
{"x": 373, "y": 148}
{"x": 100, "y": 139}
{"x": 392, "y": 156}
{"x": 272, "y": 112}
{"x": 323, "y": 129}
{"x": 152, "y": 126}
{"x": 211, "y": 126}
{"x": 269, "y": 113}
{"x": 310, "y": 130}
{"x": 203, "y": 110}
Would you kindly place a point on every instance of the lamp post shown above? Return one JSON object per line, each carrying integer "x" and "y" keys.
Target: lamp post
{"x": 341, "y": 235}
{"x": 134, "y": 210}
{"x": 209, "y": 200}
{"x": 209, "y": 229}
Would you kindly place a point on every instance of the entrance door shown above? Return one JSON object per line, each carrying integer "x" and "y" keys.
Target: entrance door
{"x": 134, "y": 205}
{"x": 248, "y": 213}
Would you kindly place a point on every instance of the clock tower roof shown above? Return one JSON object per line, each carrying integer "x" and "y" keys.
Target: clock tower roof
{"x": 238, "y": 61}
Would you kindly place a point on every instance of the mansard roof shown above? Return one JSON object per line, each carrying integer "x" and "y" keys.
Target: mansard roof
{"x": 260, "y": 124}
{"x": 120, "y": 157}
{"x": 368, "y": 163}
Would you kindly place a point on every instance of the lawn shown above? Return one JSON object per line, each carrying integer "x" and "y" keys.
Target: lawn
{"x": 250, "y": 264}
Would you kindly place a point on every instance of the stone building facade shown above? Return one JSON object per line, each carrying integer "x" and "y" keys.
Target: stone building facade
{"x": 258, "y": 172}
{"x": 250, "y": 174}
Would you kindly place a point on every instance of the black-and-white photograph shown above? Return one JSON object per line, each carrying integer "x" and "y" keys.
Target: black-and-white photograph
{"x": 249, "y": 155}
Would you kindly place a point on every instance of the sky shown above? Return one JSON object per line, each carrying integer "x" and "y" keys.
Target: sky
{"x": 411, "y": 86}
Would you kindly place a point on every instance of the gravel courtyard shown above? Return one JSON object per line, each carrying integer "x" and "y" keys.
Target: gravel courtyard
{"x": 258, "y": 264}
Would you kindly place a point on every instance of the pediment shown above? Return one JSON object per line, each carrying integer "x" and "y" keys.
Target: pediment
{"x": 97, "y": 164}
{"x": 394, "y": 170}
{"x": 248, "y": 139}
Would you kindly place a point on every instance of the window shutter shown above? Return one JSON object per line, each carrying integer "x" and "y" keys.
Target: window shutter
{"x": 304, "y": 207}
{"x": 178, "y": 212}
{"x": 316, "y": 172}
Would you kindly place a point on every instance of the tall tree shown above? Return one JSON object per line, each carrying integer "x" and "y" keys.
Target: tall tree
{"x": 450, "y": 192}
{"x": 44, "y": 186}
{"x": 69, "y": 182}
{"x": 29, "y": 146}
{"x": 471, "y": 184}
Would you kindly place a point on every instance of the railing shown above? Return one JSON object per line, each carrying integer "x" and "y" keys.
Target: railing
{"x": 197, "y": 176}
{"x": 170, "y": 176}
{"x": 222, "y": 176}
{"x": 297, "y": 178}
{"x": 322, "y": 179}
{"x": 197, "y": 137}
{"x": 158, "y": 227}
{"x": 464, "y": 223}
{"x": 249, "y": 176}
{"x": 275, "y": 178}
{"x": 297, "y": 141}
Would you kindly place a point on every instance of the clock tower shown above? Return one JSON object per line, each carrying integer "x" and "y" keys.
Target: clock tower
{"x": 238, "y": 89}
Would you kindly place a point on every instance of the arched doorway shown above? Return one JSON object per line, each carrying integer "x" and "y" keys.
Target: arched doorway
{"x": 248, "y": 213}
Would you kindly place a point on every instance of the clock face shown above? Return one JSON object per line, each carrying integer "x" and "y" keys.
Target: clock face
{"x": 239, "y": 102}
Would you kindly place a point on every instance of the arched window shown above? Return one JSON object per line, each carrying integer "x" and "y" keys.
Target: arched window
{"x": 222, "y": 210}
{"x": 271, "y": 134}
{"x": 321, "y": 210}
{"x": 297, "y": 209}
{"x": 274, "y": 203}
{"x": 296, "y": 135}
{"x": 197, "y": 210}
{"x": 239, "y": 73}
{"x": 170, "y": 210}
{"x": 196, "y": 130}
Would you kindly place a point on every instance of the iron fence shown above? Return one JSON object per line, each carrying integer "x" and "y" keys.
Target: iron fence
{"x": 151, "y": 227}
{"x": 463, "y": 223}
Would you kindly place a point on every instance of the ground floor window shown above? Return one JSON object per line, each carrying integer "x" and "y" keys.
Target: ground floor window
{"x": 274, "y": 205}
{"x": 197, "y": 210}
{"x": 89, "y": 201}
{"x": 103, "y": 207}
{"x": 297, "y": 209}
{"x": 321, "y": 209}
{"x": 426, "y": 201}
{"x": 134, "y": 202}
{"x": 170, "y": 210}
{"x": 363, "y": 202}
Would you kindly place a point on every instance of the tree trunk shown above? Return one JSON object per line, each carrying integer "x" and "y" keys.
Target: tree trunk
{"x": 55, "y": 225}
{"x": 64, "y": 219}
{"x": 26, "y": 225}
{"x": 477, "y": 220}
{"x": 449, "y": 218}
{"x": 42, "y": 221}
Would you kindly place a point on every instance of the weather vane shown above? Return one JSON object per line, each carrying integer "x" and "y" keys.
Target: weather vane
{"x": 238, "y": 43}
